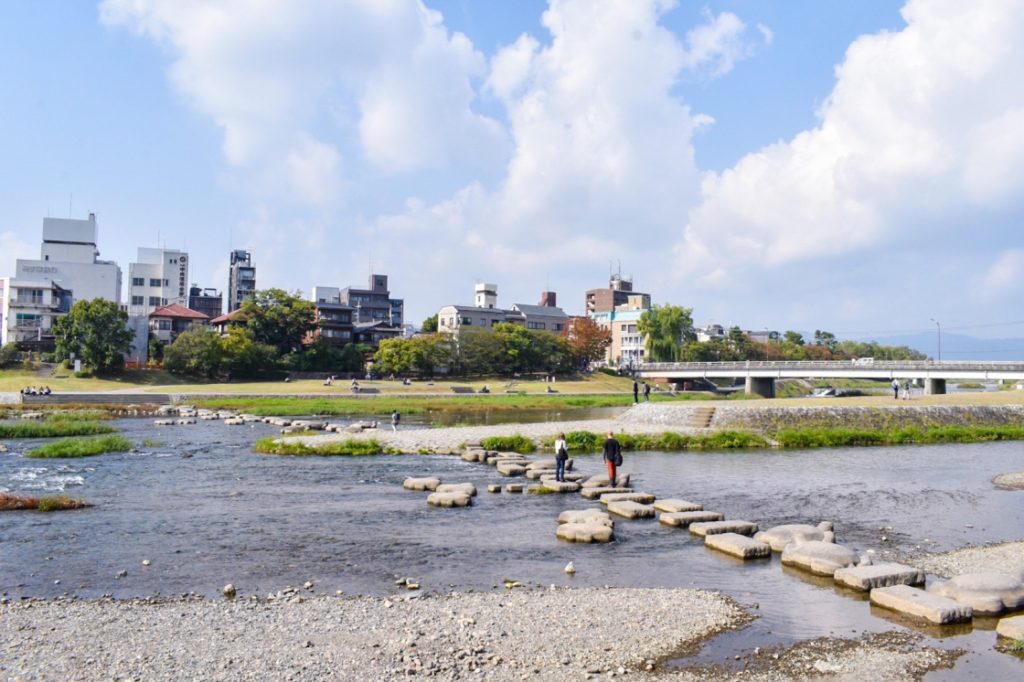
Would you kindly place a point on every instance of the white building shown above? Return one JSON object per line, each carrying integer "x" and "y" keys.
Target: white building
{"x": 68, "y": 270}
{"x": 485, "y": 313}
{"x": 159, "y": 278}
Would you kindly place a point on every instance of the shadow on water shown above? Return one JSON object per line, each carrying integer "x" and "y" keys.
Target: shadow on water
{"x": 205, "y": 511}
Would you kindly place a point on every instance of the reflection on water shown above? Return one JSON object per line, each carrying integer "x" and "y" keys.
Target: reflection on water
{"x": 224, "y": 514}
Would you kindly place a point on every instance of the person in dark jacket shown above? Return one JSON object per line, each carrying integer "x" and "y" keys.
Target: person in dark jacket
{"x": 636, "y": 392}
{"x": 612, "y": 457}
{"x": 561, "y": 457}
{"x": 647, "y": 392}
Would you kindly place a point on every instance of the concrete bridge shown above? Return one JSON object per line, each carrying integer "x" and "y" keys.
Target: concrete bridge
{"x": 761, "y": 375}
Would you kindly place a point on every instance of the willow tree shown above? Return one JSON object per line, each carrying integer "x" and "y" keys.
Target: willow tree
{"x": 666, "y": 329}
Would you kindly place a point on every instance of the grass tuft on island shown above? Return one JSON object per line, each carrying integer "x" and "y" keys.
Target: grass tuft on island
{"x": 588, "y": 441}
{"x": 54, "y": 429}
{"x": 351, "y": 447}
{"x": 46, "y": 503}
{"x": 81, "y": 447}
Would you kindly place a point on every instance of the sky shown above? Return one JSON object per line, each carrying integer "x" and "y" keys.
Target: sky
{"x": 809, "y": 164}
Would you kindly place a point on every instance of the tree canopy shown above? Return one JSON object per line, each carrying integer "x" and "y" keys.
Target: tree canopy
{"x": 587, "y": 341}
{"x": 279, "y": 319}
{"x": 667, "y": 328}
{"x": 96, "y": 332}
{"x": 430, "y": 324}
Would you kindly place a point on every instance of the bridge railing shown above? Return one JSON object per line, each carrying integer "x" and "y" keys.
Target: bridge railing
{"x": 835, "y": 365}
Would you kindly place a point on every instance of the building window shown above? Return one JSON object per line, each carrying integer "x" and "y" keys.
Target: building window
{"x": 153, "y": 282}
{"x": 557, "y": 326}
{"x": 138, "y": 281}
{"x": 30, "y": 296}
{"x": 163, "y": 325}
{"x": 154, "y": 300}
{"x": 28, "y": 320}
{"x": 467, "y": 321}
{"x": 536, "y": 325}
{"x": 138, "y": 300}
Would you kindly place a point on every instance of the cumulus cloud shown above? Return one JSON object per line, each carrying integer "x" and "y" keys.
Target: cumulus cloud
{"x": 284, "y": 80}
{"x": 923, "y": 125}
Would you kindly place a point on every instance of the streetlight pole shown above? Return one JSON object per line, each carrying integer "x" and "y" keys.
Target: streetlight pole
{"x": 938, "y": 335}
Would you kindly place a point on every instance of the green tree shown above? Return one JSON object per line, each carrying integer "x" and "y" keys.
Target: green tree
{"x": 430, "y": 324}
{"x": 480, "y": 351}
{"x": 280, "y": 319}
{"x": 242, "y": 356}
{"x": 666, "y": 328}
{"x": 796, "y": 338}
{"x": 196, "y": 352}
{"x": 96, "y": 332}
{"x": 394, "y": 356}
{"x": 826, "y": 339}
{"x": 9, "y": 355}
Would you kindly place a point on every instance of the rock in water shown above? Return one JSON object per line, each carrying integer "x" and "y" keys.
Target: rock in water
{"x": 229, "y": 591}
{"x": 570, "y": 568}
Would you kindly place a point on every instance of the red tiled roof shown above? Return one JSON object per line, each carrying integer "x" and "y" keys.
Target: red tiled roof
{"x": 223, "y": 319}
{"x": 178, "y": 311}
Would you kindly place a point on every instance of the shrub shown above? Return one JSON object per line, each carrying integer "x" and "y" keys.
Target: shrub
{"x": 81, "y": 447}
{"x": 516, "y": 443}
{"x": 59, "y": 503}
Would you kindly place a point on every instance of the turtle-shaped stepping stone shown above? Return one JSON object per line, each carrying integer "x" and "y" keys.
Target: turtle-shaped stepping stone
{"x": 428, "y": 483}
{"x": 449, "y": 500}
{"x": 586, "y": 516}
{"x": 585, "y": 532}
{"x": 780, "y": 536}
{"x": 989, "y": 593}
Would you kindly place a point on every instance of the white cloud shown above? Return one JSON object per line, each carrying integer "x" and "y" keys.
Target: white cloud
{"x": 718, "y": 44}
{"x": 1005, "y": 274}
{"x": 923, "y": 124}
{"x": 278, "y": 78}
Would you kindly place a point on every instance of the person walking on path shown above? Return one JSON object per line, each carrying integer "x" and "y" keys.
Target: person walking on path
{"x": 636, "y": 392}
{"x": 906, "y": 389}
{"x": 395, "y": 417}
{"x": 647, "y": 392}
{"x": 895, "y": 389}
{"x": 561, "y": 455}
{"x": 612, "y": 457}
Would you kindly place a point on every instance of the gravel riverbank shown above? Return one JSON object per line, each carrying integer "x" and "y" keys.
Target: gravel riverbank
{"x": 1006, "y": 557}
{"x": 536, "y": 634}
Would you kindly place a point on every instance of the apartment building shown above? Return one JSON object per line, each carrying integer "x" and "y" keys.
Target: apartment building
{"x": 485, "y": 313}
{"x": 158, "y": 278}
{"x": 209, "y": 302}
{"x": 241, "y": 279}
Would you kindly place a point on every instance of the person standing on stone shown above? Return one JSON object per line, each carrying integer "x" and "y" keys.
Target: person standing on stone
{"x": 895, "y": 389}
{"x": 612, "y": 457}
{"x": 561, "y": 455}
{"x": 647, "y": 392}
{"x": 395, "y": 417}
{"x": 636, "y": 392}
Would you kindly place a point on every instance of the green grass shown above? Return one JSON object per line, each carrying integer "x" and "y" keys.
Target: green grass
{"x": 64, "y": 415}
{"x": 352, "y": 447}
{"x": 515, "y": 443}
{"x": 60, "y": 502}
{"x": 906, "y": 435}
{"x": 53, "y": 429}
{"x": 586, "y": 441}
{"x": 81, "y": 447}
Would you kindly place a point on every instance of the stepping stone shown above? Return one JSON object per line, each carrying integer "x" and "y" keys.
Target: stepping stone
{"x": 705, "y": 528}
{"x": 780, "y": 536}
{"x": 631, "y": 510}
{"x": 585, "y": 532}
{"x": 914, "y": 602}
{"x": 601, "y": 481}
{"x": 1013, "y": 628}
{"x": 817, "y": 556}
{"x": 511, "y": 469}
{"x": 429, "y": 483}
{"x": 738, "y": 545}
{"x": 642, "y": 498}
{"x": 575, "y": 478}
{"x": 989, "y": 593}
{"x": 494, "y": 488}
{"x": 596, "y": 493}
{"x": 467, "y": 488}
{"x": 684, "y": 519}
{"x": 495, "y": 458}
{"x": 586, "y": 516}
{"x": 673, "y": 505}
{"x": 554, "y": 487}
{"x": 538, "y": 474}
{"x": 449, "y": 500}
{"x": 474, "y": 455}
{"x": 866, "y": 578}
{"x": 516, "y": 487}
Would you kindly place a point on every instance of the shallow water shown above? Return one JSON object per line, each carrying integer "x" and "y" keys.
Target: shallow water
{"x": 223, "y": 514}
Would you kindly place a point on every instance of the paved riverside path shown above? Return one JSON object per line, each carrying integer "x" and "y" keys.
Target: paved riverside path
{"x": 449, "y": 439}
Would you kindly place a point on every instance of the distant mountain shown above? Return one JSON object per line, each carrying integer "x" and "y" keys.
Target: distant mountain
{"x": 958, "y": 346}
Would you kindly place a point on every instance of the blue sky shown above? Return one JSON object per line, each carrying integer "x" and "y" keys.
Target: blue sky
{"x": 841, "y": 165}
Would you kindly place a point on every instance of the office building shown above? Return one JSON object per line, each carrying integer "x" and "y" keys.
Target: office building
{"x": 485, "y": 313}
{"x": 209, "y": 302}
{"x": 618, "y": 293}
{"x": 159, "y": 278}
{"x": 373, "y": 304}
{"x": 241, "y": 279}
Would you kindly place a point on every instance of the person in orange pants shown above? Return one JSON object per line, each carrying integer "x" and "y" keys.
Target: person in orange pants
{"x": 612, "y": 457}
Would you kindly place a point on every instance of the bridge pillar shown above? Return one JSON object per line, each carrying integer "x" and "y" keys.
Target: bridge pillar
{"x": 934, "y": 386}
{"x": 762, "y": 386}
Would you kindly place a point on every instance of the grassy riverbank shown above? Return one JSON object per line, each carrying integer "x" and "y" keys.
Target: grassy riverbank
{"x": 81, "y": 447}
{"x": 55, "y": 428}
{"x": 908, "y": 435}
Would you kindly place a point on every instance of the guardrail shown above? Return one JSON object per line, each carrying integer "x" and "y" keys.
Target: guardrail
{"x": 836, "y": 365}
